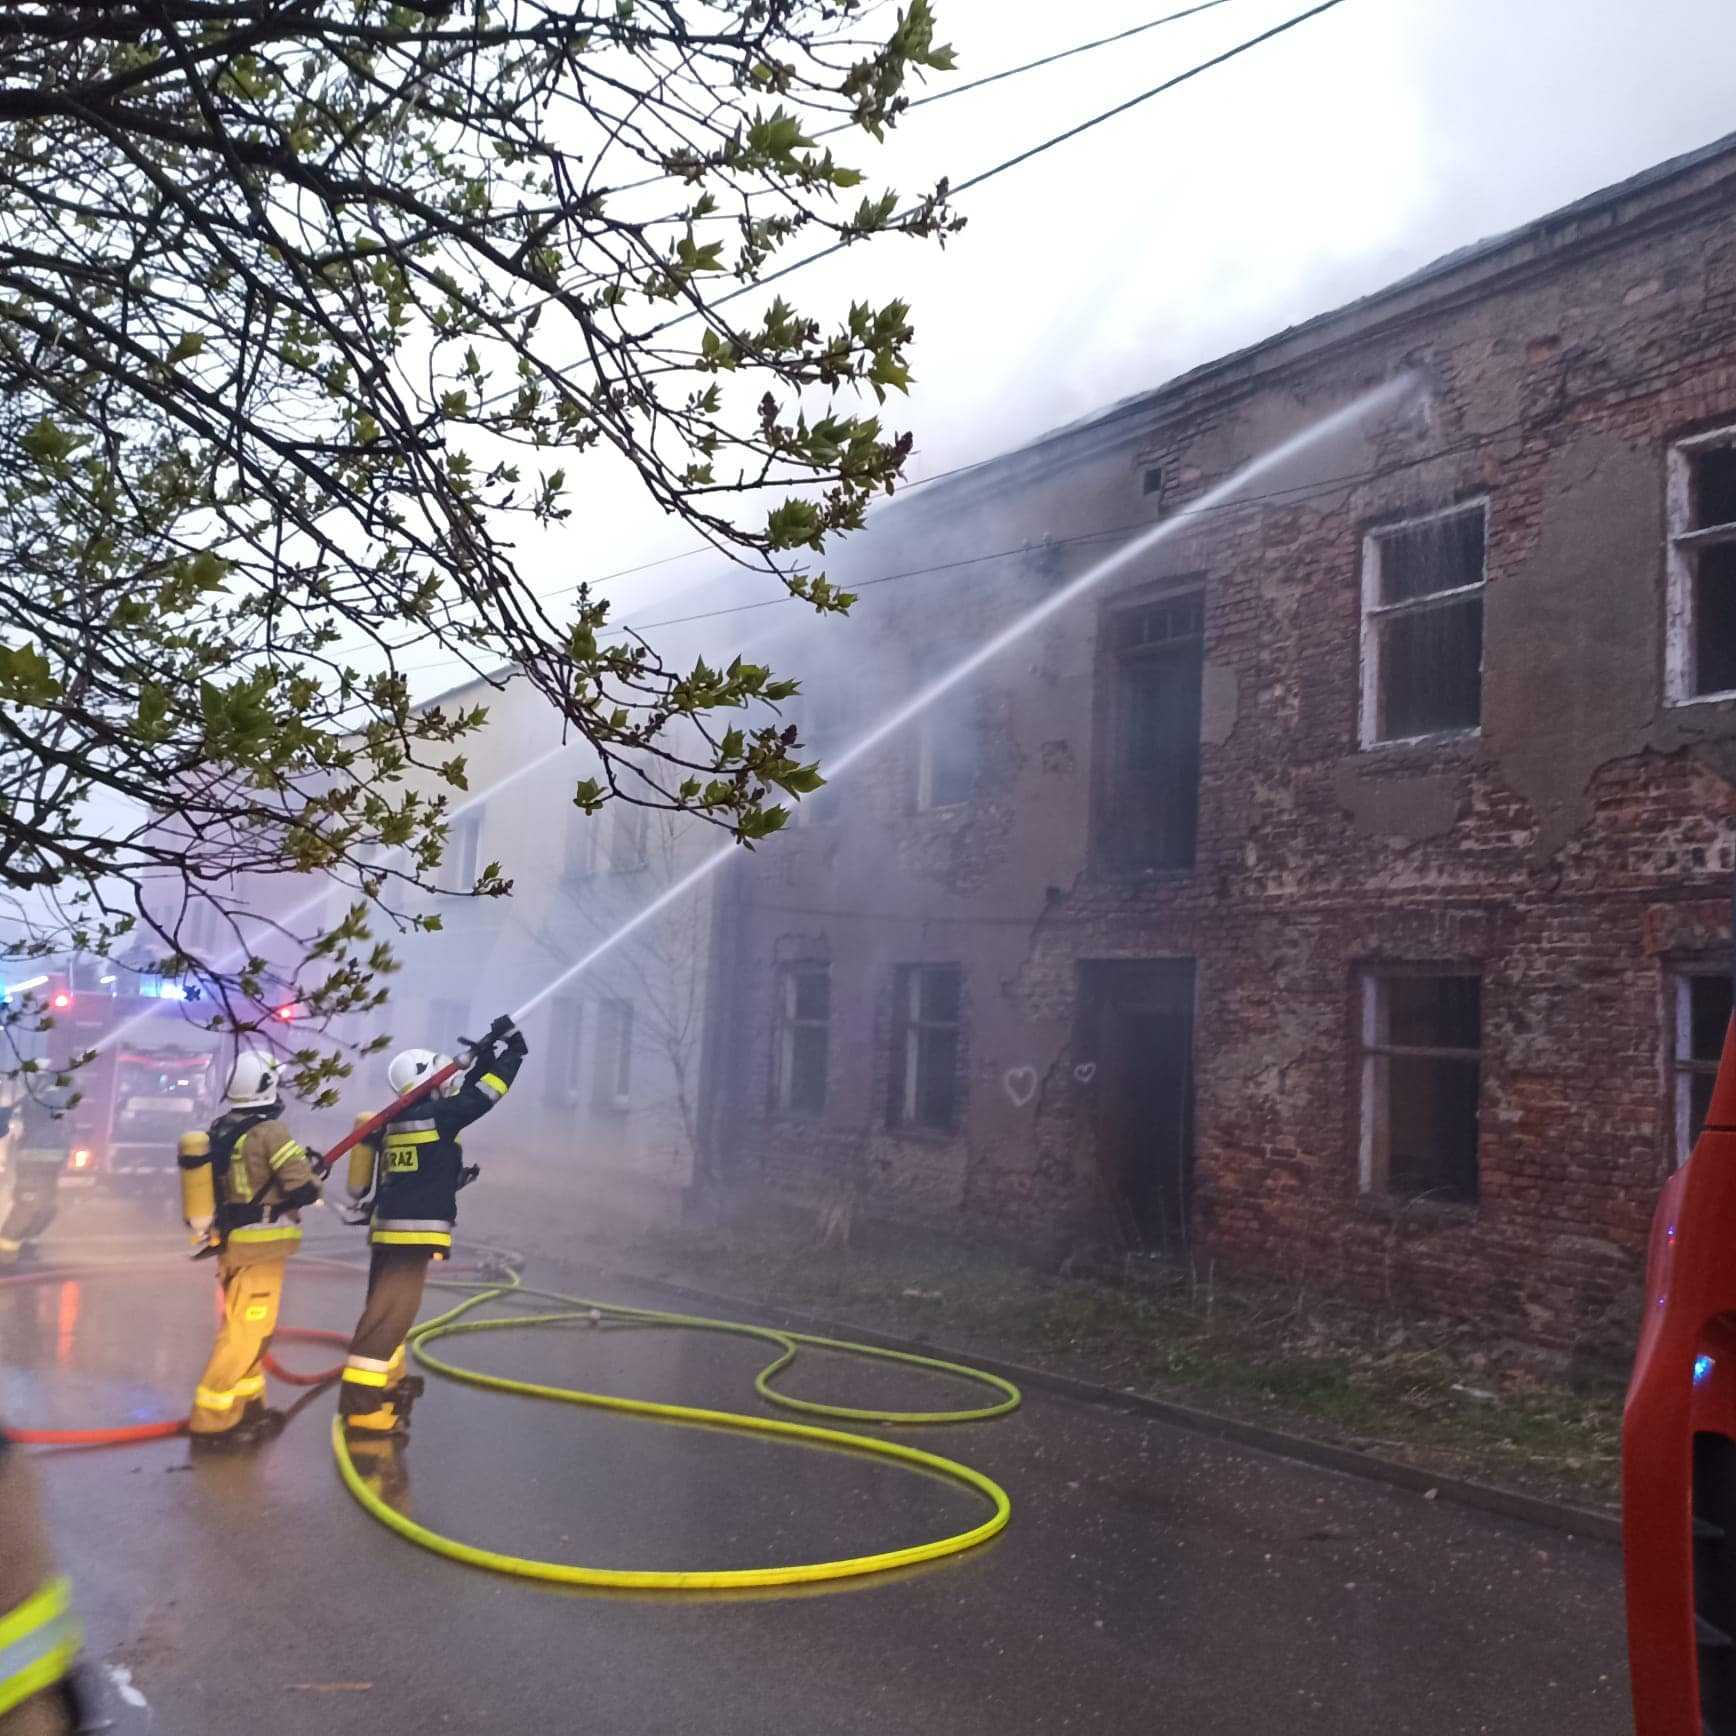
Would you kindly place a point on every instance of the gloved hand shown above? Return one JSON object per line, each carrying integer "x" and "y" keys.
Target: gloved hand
{"x": 316, "y": 1161}
{"x": 503, "y": 1038}
{"x": 200, "y": 1226}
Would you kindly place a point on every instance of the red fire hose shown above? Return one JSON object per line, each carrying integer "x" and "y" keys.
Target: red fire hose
{"x": 126, "y": 1434}
{"x": 296, "y": 1334}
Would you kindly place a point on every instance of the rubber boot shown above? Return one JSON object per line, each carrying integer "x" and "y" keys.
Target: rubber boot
{"x": 259, "y": 1424}
{"x": 387, "y": 1423}
{"x": 379, "y": 1461}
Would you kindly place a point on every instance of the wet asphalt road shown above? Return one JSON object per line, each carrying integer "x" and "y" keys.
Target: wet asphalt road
{"x": 1150, "y": 1581}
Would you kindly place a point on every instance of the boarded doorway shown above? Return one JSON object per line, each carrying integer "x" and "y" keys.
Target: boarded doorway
{"x": 1136, "y": 1019}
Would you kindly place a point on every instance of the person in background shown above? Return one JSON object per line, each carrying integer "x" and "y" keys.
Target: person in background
{"x": 37, "y": 1160}
{"x": 406, "y": 1183}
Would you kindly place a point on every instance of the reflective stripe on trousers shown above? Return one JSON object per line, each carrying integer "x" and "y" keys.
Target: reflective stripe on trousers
{"x": 38, "y": 1642}
{"x": 252, "y": 1235}
{"x": 372, "y": 1370}
{"x": 412, "y": 1232}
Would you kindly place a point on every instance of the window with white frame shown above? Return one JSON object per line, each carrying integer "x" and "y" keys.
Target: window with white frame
{"x": 1700, "y": 1014}
{"x": 1700, "y": 646}
{"x": 1421, "y": 1082}
{"x": 612, "y": 1082}
{"x": 1422, "y": 626}
{"x": 926, "y": 1042}
{"x": 803, "y": 1057}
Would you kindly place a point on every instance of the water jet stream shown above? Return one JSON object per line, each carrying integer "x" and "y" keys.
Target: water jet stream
{"x": 1380, "y": 398}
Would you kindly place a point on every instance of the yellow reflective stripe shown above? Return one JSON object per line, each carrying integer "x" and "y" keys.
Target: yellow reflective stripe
{"x": 37, "y": 1610}
{"x": 266, "y": 1233}
{"x": 44, "y": 1672}
{"x": 289, "y": 1149}
{"x": 208, "y": 1398}
{"x": 415, "y": 1238}
{"x": 398, "y": 1139}
{"x": 494, "y": 1082}
{"x": 367, "y": 1377}
{"x": 38, "y": 1642}
{"x": 251, "y": 1387}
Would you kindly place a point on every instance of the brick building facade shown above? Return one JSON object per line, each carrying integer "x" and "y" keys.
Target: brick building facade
{"x": 1339, "y": 889}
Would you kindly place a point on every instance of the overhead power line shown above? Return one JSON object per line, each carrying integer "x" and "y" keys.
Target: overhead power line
{"x": 1001, "y": 168}
{"x": 1048, "y": 59}
{"x": 976, "y": 83}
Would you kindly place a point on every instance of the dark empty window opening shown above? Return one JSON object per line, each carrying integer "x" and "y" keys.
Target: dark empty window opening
{"x": 1423, "y": 627}
{"x": 1703, "y": 568}
{"x": 804, "y": 1038}
{"x": 1701, "y": 1014}
{"x": 1421, "y": 1084}
{"x": 926, "y": 1046}
{"x": 1151, "y": 480}
{"x": 1150, "y": 804}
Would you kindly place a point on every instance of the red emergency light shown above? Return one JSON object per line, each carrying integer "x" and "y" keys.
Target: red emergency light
{"x": 61, "y": 1000}
{"x": 289, "y": 1012}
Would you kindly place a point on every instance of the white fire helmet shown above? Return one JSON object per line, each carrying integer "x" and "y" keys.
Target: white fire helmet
{"x": 410, "y": 1066}
{"x": 252, "y": 1080}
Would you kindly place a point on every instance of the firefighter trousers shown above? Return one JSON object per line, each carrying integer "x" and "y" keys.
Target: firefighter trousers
{"x": 35, "y": 1199}
{"x": 368, "y": 1399}
{"x": 235, "y": 1375}
{"x": 38, "y": 1632}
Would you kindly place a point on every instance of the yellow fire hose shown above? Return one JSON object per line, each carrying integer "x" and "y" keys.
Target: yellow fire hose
{"x": 575, "y": 1310}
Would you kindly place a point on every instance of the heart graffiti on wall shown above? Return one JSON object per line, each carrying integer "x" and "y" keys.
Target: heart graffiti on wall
{"x": 1085, "y": 1072}
{"x": 1021, "y": 1085}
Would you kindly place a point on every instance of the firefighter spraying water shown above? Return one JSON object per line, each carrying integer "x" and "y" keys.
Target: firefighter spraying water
{"x": 404, "y": 1179}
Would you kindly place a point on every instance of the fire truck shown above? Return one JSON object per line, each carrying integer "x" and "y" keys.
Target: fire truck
{"x": 151, "y": 1079}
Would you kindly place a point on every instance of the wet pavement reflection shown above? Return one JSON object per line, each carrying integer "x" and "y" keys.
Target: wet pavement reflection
{"x": 1150, "y": 1580}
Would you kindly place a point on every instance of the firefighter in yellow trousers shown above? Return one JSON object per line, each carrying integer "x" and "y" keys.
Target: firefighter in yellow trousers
{"x": 39, "y": 1635}
{"x": 244, "y": 1183}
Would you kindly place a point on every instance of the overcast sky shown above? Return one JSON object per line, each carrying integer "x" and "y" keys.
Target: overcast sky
{"x": 1309, "y": 171}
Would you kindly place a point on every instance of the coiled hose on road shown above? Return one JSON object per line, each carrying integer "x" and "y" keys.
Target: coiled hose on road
{"x": 573, "y": 1310}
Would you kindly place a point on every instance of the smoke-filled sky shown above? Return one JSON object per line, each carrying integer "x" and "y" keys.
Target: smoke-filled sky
{"x": 1313, "y": 169}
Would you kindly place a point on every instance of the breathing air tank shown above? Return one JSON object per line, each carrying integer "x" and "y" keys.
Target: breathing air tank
{"x": 360, "y": 1176}
{"x": 198, "y": 1190}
